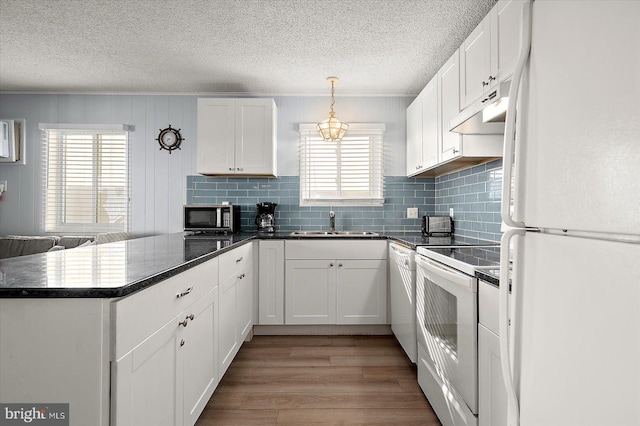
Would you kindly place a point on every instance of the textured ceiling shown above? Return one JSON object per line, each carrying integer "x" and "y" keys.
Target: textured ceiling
{"x": 376, "y": 47}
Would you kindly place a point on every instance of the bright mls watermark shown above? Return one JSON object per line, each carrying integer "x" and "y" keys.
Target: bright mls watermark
{"x": 34, "y": 414}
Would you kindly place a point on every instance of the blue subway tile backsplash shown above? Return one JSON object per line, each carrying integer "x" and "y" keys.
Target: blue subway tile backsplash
{"x": 473, "y": 193}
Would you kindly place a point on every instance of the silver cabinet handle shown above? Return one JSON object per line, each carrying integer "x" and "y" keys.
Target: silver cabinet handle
{"x": 491, "y": 78}
{"x": 484, "y": 83}
{"x": 184, "y": 293}
{"x": 186, "y": 320}
{"x": 455, "y": 151}
{"x": 240, "y": 260}
{"x": 241, "y": 276}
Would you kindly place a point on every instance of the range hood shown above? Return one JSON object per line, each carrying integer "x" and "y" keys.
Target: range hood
{"x": 485, "y": 116}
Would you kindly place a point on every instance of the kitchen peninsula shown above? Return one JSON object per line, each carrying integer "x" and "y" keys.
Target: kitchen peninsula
{"x": 152, "y": 321}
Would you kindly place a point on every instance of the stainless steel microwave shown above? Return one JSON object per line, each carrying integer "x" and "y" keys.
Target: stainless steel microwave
{"x": 212, "y": 218}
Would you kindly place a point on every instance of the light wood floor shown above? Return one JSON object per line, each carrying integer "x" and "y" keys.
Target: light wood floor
{"x": 313, "y": 380}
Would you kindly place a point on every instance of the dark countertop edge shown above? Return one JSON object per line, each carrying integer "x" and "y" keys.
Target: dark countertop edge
{"x": 126, "y": 290}
{"x": 488, "y": 278}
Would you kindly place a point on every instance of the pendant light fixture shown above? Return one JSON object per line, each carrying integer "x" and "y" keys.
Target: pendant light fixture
{"x": 332, "y": 129}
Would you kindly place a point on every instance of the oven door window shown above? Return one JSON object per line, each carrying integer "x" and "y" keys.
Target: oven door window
{"x": 441, "y": 321}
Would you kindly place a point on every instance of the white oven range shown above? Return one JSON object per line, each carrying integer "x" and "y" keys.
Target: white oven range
{"x": 447, "y": 328}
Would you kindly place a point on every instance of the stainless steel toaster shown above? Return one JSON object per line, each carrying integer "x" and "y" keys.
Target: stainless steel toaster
{"x": 437, "y": 226}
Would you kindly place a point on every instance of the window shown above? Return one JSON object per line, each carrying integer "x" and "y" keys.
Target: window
{"x": 86, "y": 178}
{"x": 345, "y": 173}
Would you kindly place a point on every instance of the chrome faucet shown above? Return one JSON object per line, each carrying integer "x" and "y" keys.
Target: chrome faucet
{"x": 332, "y": 221}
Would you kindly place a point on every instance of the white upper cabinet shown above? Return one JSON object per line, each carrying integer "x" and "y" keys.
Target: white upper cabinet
{"x": 505, "y": 37}
{"x": 237, "y": 136}
{"x": 475, "y": 61}
{"x": 449, "y": 81}
{"x": 488, "y": 55}
{"x": 422, "y": 130}
{"x": 414, "y": 136}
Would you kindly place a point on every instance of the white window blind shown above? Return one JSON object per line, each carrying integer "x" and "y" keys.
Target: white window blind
{"x": 349, "y": 172}
{"x": 86, "y": 179}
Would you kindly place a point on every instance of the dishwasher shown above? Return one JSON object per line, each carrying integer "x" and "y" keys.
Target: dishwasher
{"x": 403, "y": 298}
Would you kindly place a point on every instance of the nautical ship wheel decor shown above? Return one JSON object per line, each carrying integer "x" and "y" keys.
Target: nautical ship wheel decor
{"x": 170, "y": 139}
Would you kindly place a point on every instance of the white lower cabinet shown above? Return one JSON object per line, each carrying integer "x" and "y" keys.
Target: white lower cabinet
{"x": 166, "y": 376}
{"x": 271, "y": 282}
{"x": 228, "y": 330}
{"x": 200, "y": 356}
{"x": 310, "y": 291}
{"x": 362, "y": 291}
{"x": 148, "y": 381}
{"x": 492, "y": 395}
{"x": 335, "y": 282}
{"x": 236, "y": 303}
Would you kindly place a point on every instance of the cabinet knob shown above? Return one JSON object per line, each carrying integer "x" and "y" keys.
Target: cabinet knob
{"x": 184, "y": 293}
{"x": 455, "y": 151}
{"x": 230, "y": 169}
{"x": 239, "y": 169}
{"x": 241, "y": 277}
{"x": 331, "y": 265}
{"x": 491, "y": 78}
{"x": 240, "y": 259}
{"x": 484, "y": 83}
{"x": 340, "y": 265}
{"x": 182, "y": 343}
{"x": 186, "y": 320}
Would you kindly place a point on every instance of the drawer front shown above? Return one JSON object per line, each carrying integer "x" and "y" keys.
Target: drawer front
{"x": 141, "y": 314}
{"x": 232, "y": 262}
{"x": 335, "y": 249}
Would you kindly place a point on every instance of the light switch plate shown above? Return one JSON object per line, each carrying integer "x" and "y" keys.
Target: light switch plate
{"x": 412, "y": 213}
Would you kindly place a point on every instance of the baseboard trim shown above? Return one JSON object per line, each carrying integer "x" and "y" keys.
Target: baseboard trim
{"x": 321, "y": 330}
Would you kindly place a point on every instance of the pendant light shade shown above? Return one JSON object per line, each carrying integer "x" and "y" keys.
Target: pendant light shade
{"x": 332, "y": 129}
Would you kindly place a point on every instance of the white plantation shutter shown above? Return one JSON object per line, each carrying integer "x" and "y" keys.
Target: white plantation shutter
{"x": 86, "y": 179}
{"x": 349, "y": 172}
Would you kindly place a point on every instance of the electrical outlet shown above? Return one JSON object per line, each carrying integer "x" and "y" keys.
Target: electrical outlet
{"x": 412, "y": 213}
{"x": 451, "y": 212}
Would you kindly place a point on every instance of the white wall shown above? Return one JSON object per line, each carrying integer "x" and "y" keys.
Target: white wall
{"x": 158, "y": 179}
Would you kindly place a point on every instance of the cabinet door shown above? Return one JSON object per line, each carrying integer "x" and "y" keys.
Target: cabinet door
{"x": 216, "y": 135}
{"x": 200, "y": 356}
{"x": 255, "y": 136}
{"x": 310, "y": 293}
{"x": 449, "y": 80}
{"x": 362, "y": 292}
{"x": 505, "y": 37}
{"x": 492, "y": 396}
{"x": 414, "y": 136}
{"x": 475, "y": 63}
{"x": 430, "y": 127}
{"x": 245, "y": 303}
{"x": 148, "y": 381}
{"x": 227, "y": 324}
{"x": 271, "y": 282}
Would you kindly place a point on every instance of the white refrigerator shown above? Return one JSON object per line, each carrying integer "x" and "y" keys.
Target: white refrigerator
{"x": 571, "y": 209}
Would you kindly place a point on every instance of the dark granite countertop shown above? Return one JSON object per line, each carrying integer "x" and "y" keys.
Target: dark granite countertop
{"x": 491, "y": 276}
{"x": 121, "y": 268}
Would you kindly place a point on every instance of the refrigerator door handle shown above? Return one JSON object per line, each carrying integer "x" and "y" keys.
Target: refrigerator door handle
{"x": 505, "y": 283}
{"x": 509, "y": 132}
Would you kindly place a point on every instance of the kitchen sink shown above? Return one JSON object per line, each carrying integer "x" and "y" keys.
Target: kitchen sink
{"x": 334, "y": 234}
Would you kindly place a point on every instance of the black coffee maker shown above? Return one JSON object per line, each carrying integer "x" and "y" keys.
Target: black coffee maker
{"x": 266, "y": 218}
